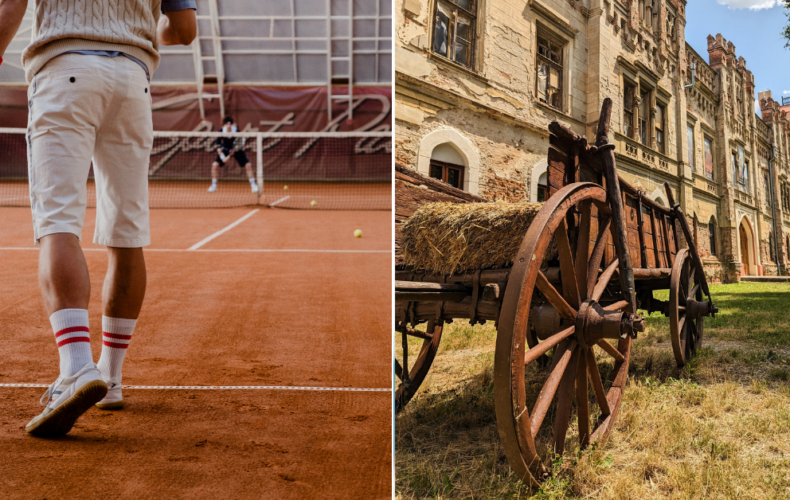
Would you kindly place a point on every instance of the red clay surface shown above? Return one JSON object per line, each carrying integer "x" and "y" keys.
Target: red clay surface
{"x": 235, "y": 193}
{"x": 216, "y": 318}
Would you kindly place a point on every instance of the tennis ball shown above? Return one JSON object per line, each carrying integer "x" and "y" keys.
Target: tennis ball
{"x": 285, "y": 187}
{"x": 358, "y": 233}
{"x": 313, "y": 203}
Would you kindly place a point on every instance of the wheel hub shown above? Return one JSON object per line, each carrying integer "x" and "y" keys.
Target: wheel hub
{"x": 594, "y": 323}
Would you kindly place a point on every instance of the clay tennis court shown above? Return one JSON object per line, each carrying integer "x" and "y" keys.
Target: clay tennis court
{"x": 281, "y": 298}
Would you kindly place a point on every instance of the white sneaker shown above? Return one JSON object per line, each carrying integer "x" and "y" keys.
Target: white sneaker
{"x": 213, "y": 188}
{"x": 254, "y": 188}
{"x": 67, "y": 399}
{"x": 113, "y": 400}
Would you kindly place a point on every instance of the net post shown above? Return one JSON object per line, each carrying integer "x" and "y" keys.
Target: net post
{"x": 259, "y": 164}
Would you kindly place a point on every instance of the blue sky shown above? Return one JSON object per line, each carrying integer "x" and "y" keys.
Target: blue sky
{"x": 754, "y": 26}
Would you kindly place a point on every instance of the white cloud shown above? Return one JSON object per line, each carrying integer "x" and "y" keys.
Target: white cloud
{"x": 750, "y": 4}
{"x": 786, "y": 92}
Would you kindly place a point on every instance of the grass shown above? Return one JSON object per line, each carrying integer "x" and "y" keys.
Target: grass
{"x": 718, "y": 428}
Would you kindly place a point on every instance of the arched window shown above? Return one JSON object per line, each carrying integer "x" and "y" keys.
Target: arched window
{"x": 543, "y": 189}
{"x": 771, "y": 247}
{"x": 447, "y": 165}
{"x": 712, "y": 234}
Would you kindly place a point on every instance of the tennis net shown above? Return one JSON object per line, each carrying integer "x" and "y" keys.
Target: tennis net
{"x": 303, "y": 170}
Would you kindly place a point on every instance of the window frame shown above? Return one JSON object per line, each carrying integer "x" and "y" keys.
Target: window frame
{"x": 562, "y": 45}
{"x": 452, "y": 31}
{"x": 660, "y": 127}
{"x": 446, "y": 167}
{"x": 646, "y": 99}
{"x": 706, "y": 139}
{"x": 633, "y": 87}
{"x": 712, "y": 236}
{"x": 691, "y": 134}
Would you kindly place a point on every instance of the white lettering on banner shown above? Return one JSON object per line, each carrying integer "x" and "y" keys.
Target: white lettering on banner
{"x": 365, "y": 145}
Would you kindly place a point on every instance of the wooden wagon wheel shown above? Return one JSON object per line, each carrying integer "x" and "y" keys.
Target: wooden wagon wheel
{"x": 687, "y": 311}
{"x": 412, "y": 377}
{"x": 583, "y": 325}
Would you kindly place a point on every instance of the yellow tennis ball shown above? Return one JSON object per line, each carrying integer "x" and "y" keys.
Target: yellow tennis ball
{"x": 358, "y": 233}
{"x": 285, "y": 187}
{"x": 313, "y": 203}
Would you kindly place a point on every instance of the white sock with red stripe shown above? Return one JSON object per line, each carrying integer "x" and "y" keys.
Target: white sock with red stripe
{"x": 73, "y": 338}
{"x": 116, "y": 335}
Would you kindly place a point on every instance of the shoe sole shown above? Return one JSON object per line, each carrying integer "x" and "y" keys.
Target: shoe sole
{"x": 61, "y": 420}
{"x": 116, "y": 405}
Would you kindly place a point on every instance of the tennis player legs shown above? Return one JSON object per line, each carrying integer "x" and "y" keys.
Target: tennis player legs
{"x": 84, "y": 108}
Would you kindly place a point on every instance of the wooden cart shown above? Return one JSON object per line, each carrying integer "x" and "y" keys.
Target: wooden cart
{"x": 614, "y": 248}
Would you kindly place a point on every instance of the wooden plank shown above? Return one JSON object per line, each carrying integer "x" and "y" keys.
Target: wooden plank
{"x": 657, "y": 256}
{"x": 556, "y": 171}
{"x": 650, "y": 252}
{"x": 641, "y": 223}
{"x": 631, "y": 220}
{"x": 414, "y": 177}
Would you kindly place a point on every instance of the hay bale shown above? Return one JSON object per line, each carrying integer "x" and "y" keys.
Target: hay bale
{"x": 445, "y": 238}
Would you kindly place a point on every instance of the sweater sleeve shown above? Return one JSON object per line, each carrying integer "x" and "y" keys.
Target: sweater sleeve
{"x": 173, "y": 5}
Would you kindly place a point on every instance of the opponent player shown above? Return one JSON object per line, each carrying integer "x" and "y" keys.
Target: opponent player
{"x": 227, "y": 146}
{"x": 88, "y": 74}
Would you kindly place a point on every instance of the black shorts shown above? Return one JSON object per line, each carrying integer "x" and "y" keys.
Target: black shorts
{"x": 240, "y": 156}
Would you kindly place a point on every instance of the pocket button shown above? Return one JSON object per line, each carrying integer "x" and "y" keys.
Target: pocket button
{"x": 72, "y": 79}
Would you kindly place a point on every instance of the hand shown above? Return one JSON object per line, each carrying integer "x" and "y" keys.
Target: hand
{"x": 11, "y": 14}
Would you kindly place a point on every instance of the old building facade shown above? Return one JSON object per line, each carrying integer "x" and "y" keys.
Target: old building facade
{"x": 478, "y": 82}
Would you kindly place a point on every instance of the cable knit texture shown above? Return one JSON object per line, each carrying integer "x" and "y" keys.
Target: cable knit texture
{"x": 127, "y": 26}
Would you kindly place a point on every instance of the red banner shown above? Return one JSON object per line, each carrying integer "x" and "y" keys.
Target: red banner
{"x": 268, "y": 109}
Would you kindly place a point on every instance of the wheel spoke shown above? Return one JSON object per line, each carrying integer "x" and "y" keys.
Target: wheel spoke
{"x": 609, "y": 348}
{"x": 550, "y": 388}
{"x": 693, "y": 292}
{"x": 564, "y": 402}
{"x": 567, "y": 267}
{"x": 554, "y": 297}
{"x": 603, "y": 281}
{"x": 582, "y": 401}
{"x": 597, "y": 383}
{"x": 405, "y": 346}
{"x": 617, "y": 306}
{"x": 597, "y": 253}
{"x": 684, "y": 333}
{"x": 541, "y": 349}
{"x": 398, "y": 370}
{"x": 583, "y": 249}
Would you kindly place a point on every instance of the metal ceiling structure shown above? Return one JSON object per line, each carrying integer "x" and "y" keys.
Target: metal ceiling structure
{"x": 339, "y": 44}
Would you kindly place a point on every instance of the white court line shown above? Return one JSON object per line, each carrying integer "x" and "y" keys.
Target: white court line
{"x": 222, "y": 231}
{"x": 278, "y": 201}
{"x": 230, "y": 387}
{"x": 209, "y": 250}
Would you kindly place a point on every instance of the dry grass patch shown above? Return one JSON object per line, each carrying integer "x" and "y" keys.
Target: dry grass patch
{"x": 719, "y": 428}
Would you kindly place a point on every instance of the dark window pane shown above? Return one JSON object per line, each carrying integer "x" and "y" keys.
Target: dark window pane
{"x": 462, "y": 28}
{"x": 441, "y": 31}
{"x": 541, "y": 194}
{"x": 462, "y": 53}
{"x": 454, "y": 177}
{"x": 543, "y": 82}
{"x": 436, "y": 172}
{"x": 464, "y": 4}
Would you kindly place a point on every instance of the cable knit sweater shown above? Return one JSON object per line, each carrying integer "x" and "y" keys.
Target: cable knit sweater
{"x": 127, "y": 26}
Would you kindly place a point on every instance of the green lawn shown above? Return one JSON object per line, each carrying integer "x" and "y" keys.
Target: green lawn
{"x": 718, "y": 428}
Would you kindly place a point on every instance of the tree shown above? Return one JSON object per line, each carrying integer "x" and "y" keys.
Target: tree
{"x": 786, "y": 30}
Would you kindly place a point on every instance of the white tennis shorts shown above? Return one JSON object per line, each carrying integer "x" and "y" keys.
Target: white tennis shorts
{"x": 83, "y": 108}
